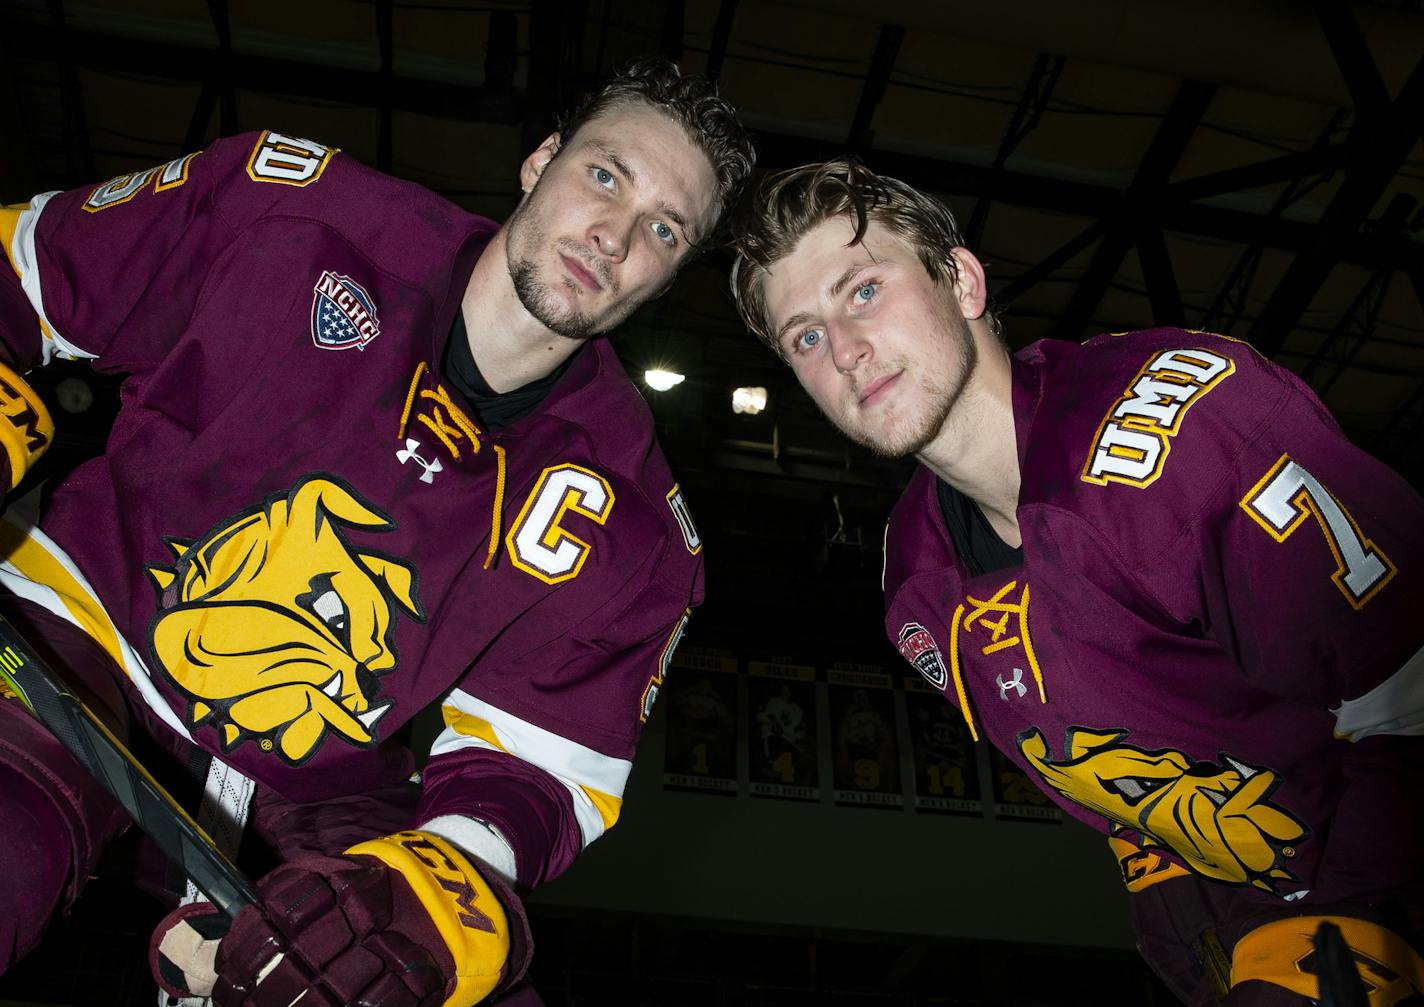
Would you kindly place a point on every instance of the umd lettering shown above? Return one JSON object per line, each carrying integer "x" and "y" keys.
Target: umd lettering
{"x": 1134, "y": 439}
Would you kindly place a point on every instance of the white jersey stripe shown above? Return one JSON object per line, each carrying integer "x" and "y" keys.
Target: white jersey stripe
{"x": 26, "y": 262}
{"x": 594, "y": 780}
{"x": 1395, "y": 706}
{"x": 40, "y": 571}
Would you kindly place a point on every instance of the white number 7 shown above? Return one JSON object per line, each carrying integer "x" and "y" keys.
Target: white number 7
{"x": 1287, "y": 495}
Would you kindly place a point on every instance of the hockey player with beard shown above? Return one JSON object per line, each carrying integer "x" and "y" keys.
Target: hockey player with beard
{"x": 369, "y": 458}
{"x": 1150, "y": 569}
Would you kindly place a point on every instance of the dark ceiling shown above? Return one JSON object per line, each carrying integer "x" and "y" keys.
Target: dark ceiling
{"x": 1249, "y": 168}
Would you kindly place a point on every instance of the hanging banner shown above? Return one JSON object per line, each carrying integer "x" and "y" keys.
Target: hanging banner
{"x": 781, "y": 736}
{"x": 701, "y": 748}
{"x": 1016, "y": 795}
{"x": 866, "y": 754}
{"x": 946, "y": 766}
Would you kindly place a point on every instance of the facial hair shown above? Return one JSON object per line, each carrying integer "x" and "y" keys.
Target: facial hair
{"x": 910, "y": 435}
{"x": 526, "y": 229}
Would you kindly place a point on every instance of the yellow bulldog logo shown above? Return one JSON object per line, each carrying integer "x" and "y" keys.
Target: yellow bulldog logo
{"x": 1217, "y": 818}
{"x": 277, "y": 628}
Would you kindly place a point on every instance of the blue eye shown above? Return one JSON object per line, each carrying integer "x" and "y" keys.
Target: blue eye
{"x": 664, "y": 233}
{"x": 603, "y": 177}
{"x": 864, "y": 293}
{"x": 809, "y": 339}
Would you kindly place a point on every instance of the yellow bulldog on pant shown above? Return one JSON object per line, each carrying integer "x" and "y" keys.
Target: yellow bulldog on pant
{"x": 277, "y": 628}
{"x": 1217, "y": 818}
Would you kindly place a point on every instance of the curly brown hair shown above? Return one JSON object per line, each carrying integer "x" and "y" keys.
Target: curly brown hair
{"x": 791, "y": 203}
{"x": 691, "y": 101}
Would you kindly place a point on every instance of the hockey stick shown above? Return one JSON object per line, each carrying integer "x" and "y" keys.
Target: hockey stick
{"x": 115, "y": 768}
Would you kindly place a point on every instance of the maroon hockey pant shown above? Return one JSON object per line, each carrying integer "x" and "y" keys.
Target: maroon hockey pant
{"x": 55, "y": 819}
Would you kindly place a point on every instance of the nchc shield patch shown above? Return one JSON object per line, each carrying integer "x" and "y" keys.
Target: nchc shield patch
{"x": 343, "y": 314}
{"x": 920, "y": 649}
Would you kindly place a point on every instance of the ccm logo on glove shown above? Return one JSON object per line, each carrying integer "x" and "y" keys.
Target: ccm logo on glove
{"x": 461, "y": 904}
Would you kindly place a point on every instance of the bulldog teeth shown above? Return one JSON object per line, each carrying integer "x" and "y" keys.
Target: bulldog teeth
{"x": 1246, "y": 771}
{"x": 333, "y": 688}
{"x": 372, "y": 715}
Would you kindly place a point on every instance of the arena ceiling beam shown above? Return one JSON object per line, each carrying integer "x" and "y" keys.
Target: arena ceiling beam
{"x": 1139, "y": 206}
{"x": 882, "y": 63}
{"x": 721, "y": 38}
{"x": 1162, "y": 290}
{"x": 1321, "y": 159}
{"x": 1352, "y": 55}
{"x": 1372, "y": 166}
{"x": 1085, "y": 199}
{"x": 344, "y": 85}
{"x": 1036, "y": 93}
{"x": 551, "y": 44}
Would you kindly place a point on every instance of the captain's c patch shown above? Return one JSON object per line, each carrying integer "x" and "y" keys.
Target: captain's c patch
{"x": 1135, "y": 437}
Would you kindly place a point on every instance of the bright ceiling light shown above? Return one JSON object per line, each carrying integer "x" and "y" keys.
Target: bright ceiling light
{"x": 661, "y": 381}
{"x": 748, "y": 400}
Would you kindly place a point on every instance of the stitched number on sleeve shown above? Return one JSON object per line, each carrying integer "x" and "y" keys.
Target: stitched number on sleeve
{"x": 539, "y": 543}
{"x": 125, "y": 187}
{"x": 287, "y": 160}
{"x": 1287, "y": 495}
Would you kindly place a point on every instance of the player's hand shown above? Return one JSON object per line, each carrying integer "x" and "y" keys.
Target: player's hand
{"x": 401, "y": 921}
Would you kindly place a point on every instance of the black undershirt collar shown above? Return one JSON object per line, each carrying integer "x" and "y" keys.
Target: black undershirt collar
{"x": 496, "y": 409}
{"x": 975, "y": 540}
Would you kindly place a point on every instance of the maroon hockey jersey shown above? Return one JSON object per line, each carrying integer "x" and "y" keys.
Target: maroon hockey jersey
{"x": 299, "y": 536}
{"x": 1212, "y": 645}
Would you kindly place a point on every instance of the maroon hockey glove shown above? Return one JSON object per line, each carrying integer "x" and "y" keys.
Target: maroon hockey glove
{"x": 402, "y": 921}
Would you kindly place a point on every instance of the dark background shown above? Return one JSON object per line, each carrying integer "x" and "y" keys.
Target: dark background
{"x": 1249, "y": 168}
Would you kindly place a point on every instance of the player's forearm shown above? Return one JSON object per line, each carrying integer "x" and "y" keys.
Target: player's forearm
{"x": 528, "y": 808}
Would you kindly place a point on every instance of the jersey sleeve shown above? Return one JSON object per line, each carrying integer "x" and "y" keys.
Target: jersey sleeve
{"x": 1294, "y": 550}
{"x": 537, "y": 747}
{"x": 112, "y": 272}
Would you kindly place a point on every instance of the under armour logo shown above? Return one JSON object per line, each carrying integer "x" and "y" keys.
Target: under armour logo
{"x": 408, "y": 452}
{"x": 1016, "y": 683}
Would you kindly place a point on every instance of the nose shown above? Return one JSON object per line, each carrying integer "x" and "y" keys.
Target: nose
{"x": 611, "y": 235}
{"x": 849, "y": 347}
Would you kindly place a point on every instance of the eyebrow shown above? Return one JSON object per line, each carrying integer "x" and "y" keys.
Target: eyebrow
{"x": 835, "y": 291}
{"x": 667, "y": 209}
{"x": 790, "y": 323}
{"x": 854, "y": 268}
